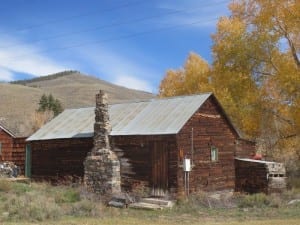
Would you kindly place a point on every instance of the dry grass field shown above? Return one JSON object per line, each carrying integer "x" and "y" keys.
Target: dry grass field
{"x": 138, "y": 221}
{"x": 20, "y": 100}
{"x": 41, "y": 203}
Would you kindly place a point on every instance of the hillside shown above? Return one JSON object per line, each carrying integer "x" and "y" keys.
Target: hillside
{"x": 19, "y": 99}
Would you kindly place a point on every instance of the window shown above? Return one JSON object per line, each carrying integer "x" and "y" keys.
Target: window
{"x": 213, "y": 153}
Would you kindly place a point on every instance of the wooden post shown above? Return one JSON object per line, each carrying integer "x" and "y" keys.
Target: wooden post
{"x": 28, "y": 161}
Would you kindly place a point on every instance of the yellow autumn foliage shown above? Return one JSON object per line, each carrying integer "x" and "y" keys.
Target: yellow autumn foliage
{"x": 255, "y": 72}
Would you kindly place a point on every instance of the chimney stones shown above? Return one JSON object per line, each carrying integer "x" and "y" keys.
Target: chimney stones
{"x": 101, "y": 166}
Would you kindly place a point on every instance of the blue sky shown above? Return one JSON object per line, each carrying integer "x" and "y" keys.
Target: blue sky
{"x": 131, "y": 43}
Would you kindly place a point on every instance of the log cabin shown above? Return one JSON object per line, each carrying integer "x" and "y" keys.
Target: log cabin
{"x": 170, "y": 145}
{"x": 12, "y": 148}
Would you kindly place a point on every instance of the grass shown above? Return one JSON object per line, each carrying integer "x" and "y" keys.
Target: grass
{"x": 41, "y": 203}
{"x": 161, "y": 221}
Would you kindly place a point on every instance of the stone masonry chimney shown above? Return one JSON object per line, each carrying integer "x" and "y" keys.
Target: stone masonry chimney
{"x": 101, "y": 166}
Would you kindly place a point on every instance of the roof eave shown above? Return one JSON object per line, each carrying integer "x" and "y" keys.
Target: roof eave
{"x": 7, "y": 131}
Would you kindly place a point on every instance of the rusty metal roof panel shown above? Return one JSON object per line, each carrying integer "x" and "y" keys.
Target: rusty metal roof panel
{"x": 150, "y": 117}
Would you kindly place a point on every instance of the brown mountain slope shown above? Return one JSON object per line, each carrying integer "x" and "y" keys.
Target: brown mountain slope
{"x": 18, "y": 101}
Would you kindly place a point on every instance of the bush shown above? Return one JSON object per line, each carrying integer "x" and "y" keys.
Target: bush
{"x": 67, "y": 196}
{"x": 21, "y": 188}
{"x": 254, "y": 201}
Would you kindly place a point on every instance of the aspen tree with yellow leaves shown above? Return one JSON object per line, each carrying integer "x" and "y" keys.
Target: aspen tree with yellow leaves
{"x": 192, "y": 78}
{"x": 255, "y": 74}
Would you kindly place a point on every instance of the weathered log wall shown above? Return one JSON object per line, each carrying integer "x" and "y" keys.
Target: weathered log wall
{"x": 210, "y": 128}
{"x": 55, "y": 159}
{"x": 245, "y": 148}
{"x": 135, "y": 157}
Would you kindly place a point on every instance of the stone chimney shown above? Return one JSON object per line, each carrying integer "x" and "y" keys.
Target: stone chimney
{"x": 101, "y": 166}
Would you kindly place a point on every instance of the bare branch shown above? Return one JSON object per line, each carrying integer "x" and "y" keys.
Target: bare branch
{"x": 290, "y": 42}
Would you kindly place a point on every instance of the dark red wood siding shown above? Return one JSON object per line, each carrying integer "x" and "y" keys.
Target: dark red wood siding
{"x": 136, "y": 157}
{"x": 12, "y": 149}
{"x": 18, "y": 153}
{"x": 55, "y": 159}
{"x": 210, "y": 128}
{"x": 6, "y": 146}
{"x": 245, "y": 148}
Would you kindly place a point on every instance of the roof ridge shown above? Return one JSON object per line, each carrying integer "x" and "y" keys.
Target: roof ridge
{"x": 161, "y": 98}
{"x": 146, "y": 100}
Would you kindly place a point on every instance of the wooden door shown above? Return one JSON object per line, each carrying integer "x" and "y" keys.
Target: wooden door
{"x": 159, "y": 169}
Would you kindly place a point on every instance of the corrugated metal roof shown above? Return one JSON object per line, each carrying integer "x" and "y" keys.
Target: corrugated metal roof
{"x": 150, "y": 117}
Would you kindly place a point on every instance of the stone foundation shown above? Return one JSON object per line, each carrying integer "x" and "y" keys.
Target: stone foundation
{"x": 102, "y": 174}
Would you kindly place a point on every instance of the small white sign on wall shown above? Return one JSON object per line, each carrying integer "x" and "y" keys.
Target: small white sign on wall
{"x": 187, "y": 165}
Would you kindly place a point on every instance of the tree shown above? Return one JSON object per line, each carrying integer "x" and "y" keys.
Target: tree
{"x": 255, "y": 71}
{"x": 57, "y": 107}
{"x": 192, "y": 78}
{"x": 43, "y": 103}
{"x": 257, "y": 48}
{"x": 48, "y": 103}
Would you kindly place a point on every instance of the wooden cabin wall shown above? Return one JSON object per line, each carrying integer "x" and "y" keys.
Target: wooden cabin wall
{"x": 245, "y": 148}
{"x": 210, "y": 128}
{"x": 6, "y": 141}
{"x": 54, "y": 160}
{"x": 251, "y": 177}
{"x": 18, "y": 153}
{"x": 134, "y": 153}
{"x": 13, "y": 150}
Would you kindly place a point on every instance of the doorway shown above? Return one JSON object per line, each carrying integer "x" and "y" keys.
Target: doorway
{"x": 159, "y": 169}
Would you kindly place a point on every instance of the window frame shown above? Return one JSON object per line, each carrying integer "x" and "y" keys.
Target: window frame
{"x": 214, "y": 153}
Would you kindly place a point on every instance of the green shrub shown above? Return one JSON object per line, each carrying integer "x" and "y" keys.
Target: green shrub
{"x": 254, "y": 201}
{"x": 20, "y": 188}
{"x": 67, "y": 196}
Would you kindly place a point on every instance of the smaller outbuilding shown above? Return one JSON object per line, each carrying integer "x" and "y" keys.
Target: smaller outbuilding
{"x": 12, "y": 148}
{"x": 255, "y": 176}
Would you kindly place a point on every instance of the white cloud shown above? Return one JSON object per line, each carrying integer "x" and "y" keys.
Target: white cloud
{"x": 23, "y": 58}
{"x": 118, "y": 69}
{"x": 133, "y": 82}
{"x": 6, "y": 75}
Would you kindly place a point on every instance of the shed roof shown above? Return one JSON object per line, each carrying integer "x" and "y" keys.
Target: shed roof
{"x": 148, "y": 117}
{"x": 2, "y": 127}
